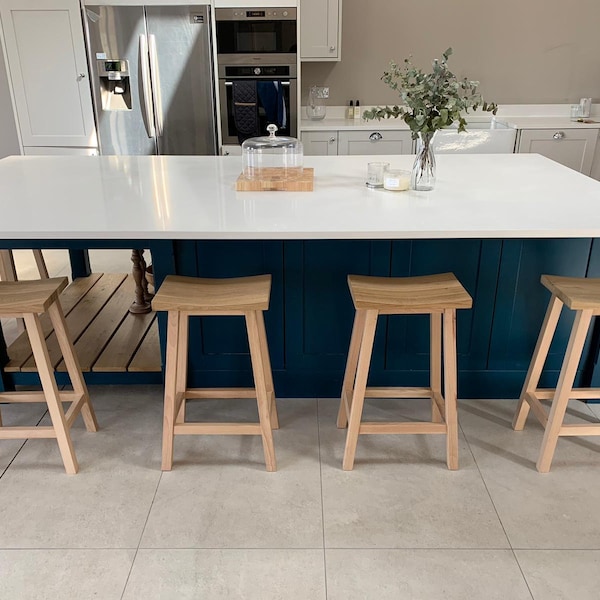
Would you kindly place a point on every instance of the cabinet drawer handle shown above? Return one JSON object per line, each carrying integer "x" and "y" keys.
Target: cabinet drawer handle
{"x": 331, "y": 48}
{"x": 331, "y": 140}
{"x": 375, "y": 137}
{"x": 559, "y": 135}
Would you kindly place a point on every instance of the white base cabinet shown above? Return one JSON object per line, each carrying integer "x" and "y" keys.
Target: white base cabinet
{"x": 320, "y": 30}
{"x": 320, "y": 143}
{"x": 357, "y": 142}
{"x": 47, "y": 66}
{"x": 374, "y": 142}
{"x": 573, "y": 148}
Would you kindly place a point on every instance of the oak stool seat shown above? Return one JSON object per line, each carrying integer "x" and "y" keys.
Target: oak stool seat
{"x": 184, "y": 297}
{"x": 436, "y": 295}
{"x": 582, "y": 296}
{"x": 25, "y": 300}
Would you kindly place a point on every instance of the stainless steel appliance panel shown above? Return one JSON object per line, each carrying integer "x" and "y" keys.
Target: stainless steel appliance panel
{"x": 256, "y": 32}
{"x": 119, "y": 33}
{"x": 181, "y": 62}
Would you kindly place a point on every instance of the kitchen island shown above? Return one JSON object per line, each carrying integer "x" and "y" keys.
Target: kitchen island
{"x": 496, "y": 221}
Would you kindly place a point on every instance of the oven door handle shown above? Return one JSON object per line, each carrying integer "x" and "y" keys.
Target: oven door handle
{"x": 230, "y": 83}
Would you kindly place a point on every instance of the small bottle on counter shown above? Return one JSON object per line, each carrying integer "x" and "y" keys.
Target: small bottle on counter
{"x": 350, "y": 111}
{"x": 357, "y": 110}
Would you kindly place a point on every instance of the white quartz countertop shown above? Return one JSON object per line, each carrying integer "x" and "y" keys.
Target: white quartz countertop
{"x": 489, "y": 196}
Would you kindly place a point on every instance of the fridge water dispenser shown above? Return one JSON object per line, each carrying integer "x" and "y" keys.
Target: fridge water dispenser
{"x": 115, "y": 86}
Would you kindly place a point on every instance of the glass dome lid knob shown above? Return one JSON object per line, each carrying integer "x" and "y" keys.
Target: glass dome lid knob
{"x": 272, "y": 128}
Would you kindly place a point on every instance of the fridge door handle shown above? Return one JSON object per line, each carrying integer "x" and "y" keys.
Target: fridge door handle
{"x": 155, "y": 75}
{"x": 147, "y": 112}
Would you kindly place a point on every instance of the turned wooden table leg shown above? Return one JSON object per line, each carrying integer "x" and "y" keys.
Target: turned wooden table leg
{"x": 140, "y": 305}
{"x": 147, "y": 295}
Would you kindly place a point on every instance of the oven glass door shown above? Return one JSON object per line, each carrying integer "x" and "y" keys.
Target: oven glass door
{"x": 276, "y": 107}
{"x": 256, "y": 37}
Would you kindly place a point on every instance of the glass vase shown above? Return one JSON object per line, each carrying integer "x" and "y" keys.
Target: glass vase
{"x": 316, "y": 109}
{"x": 423, "y": 171}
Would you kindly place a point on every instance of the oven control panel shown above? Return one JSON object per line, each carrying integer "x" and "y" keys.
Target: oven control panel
{"x": 256, "y": 14}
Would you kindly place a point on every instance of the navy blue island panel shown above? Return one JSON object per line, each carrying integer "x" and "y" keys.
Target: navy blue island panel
{"x": 310, "y": 317}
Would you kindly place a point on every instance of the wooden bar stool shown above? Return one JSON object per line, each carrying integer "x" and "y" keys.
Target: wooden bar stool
{"x": 436, "y": 295}
{"x": 583, "y": 296}
{"x": 184, "y": 297}
{"x": 26, "y": 299}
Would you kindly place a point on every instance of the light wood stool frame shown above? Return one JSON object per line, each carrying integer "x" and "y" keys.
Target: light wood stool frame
{"x": 582, "y": 296}
{"x": 444, "y": 418}
{"x": 16, "y": 307}
{"x": 176, "y": 392}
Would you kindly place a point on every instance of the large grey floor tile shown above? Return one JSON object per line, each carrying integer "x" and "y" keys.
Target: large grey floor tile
{"x": 561, "y": 574}
{"x": 424, "y": 574}
{"x": 219, "y": 495}
{"x": 553, "y": 510}
{"x": 227, "y": 575}
{"x": 400, "y": 493}
{"x": 64, "y": 574}
{"x": 106, "y": 504}
{"x": 17, "y": 415}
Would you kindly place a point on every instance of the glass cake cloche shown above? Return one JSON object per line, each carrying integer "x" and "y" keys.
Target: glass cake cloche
{"x": 272, "y": 157}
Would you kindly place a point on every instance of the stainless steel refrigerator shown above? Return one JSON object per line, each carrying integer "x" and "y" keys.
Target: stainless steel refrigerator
{"x": 152, "y": 79}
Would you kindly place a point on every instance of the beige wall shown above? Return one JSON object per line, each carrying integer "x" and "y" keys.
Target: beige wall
{"x": 9, "y": 143}
{"x": 522, "y": 51}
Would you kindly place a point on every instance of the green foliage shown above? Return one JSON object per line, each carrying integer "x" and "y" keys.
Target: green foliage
{"x": 430, "y": 101}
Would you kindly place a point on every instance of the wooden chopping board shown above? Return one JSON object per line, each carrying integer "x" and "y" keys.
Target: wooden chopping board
{"x": 273, "y": 182}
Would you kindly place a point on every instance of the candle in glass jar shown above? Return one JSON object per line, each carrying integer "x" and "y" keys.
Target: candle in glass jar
{"x": 396, "y": 180}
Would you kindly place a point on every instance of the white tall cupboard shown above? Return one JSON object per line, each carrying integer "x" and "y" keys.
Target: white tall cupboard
{"x": 47, "y": 68}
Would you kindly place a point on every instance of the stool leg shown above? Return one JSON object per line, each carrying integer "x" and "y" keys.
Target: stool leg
{"x": 360, "y": 386}
{"x": 182, "y": 358}
{"x": 170, "y": 387}
{"x": 563, "y": 388}
{"x": 264, "y": 349}
{"x": 262, "y": 396}
{"x": 72, "y": 363}
{"x": 351, "y": 366}
{"x": 450, "y": 389}
{"x": 435, "y": 362}
{"x": 46, "y": 373}
{"x": 537, "y": 361}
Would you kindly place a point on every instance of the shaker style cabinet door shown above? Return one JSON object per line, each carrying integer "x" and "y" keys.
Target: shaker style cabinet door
{"x": 46, "y": 58}
{"x": 320, "y": 29}
{"x": 373, "y": 141}
{"x": 571, "y": 147}
{"x": 320, "y": 143}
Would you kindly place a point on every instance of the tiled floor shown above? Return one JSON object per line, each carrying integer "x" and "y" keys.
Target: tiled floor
{"x": 400, "y": 526}
{"x": 220, "y": 527}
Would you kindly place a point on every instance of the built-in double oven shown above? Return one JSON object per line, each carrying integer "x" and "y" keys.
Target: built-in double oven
{"x": 257, "y": 67}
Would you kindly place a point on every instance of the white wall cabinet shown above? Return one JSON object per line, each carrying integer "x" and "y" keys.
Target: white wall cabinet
{"x": 320, "y": 30}
{"x": 571, "y": 147}
{"x": 47, "y": 65}
{"x": 375, "y": 141}
{"x": 320, "y": 143}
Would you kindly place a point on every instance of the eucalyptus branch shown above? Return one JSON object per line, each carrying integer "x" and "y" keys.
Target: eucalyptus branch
{"x": 430, "y": 101}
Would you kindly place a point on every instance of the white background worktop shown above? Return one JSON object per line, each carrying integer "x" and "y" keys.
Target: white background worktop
{"x": 552, "y": 116}
{"x": 490, "y": 196}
